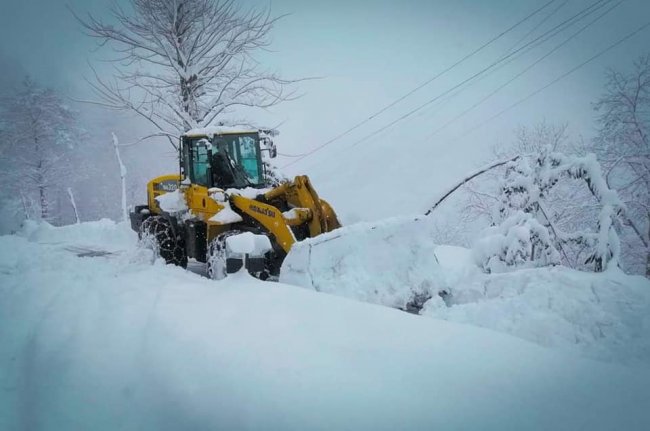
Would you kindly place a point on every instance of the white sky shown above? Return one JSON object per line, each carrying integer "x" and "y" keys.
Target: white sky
{"x": 367, "y": 54}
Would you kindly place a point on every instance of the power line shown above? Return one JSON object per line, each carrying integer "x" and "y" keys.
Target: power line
{"x": 560, "y": 45}
{"x": 538, "y": 25}
{"x": 482, "y": 71}
{"x": 419, "y": 87}
{"x": 458, "y": 91}
{"x": 559, "y": 78}
{"x": 530, "y": 46}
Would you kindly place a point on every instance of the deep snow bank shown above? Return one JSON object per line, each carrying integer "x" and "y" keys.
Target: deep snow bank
{"x": 104, "y": 235}
{"x": 604, "y": 316}
{"x": 108, "y": 342}
{"x": 384, "y": 263}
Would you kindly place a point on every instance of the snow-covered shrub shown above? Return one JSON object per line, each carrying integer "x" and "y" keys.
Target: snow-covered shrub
{"x": 525, "y": 191}
{"x": 519, "y": 242}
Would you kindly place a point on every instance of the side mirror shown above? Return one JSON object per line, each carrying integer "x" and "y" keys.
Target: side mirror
{"x": 269, "y": 146}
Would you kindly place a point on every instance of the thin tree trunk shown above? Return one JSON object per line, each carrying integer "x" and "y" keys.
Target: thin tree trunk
{"x": 74, "y": 206}
{"x": 125, "y": 215}
{"x": 25, "y": 207}
{"x": 42, "y": 195}
{"x": 647, "y": 256}
{"x": 43, "y": 201}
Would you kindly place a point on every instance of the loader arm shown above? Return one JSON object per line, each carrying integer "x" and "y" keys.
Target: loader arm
{"x": 269, "y": 217}
{"x": 299, "y": 193}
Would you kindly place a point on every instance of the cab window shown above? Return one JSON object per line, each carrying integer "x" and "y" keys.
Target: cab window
{"x": 244, "y": 150}
{"x": 249, "y": 158}
{"x": 200, "y": 162}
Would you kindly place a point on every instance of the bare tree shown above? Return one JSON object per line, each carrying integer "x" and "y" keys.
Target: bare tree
{"x": 38, "y": 138}
{"x": 623, "y": 147}
{"x": 533, "y": 140}
{"x": 183, "y": 64}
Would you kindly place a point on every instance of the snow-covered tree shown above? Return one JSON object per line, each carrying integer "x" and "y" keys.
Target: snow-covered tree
{"x": 568, "y": 199}
{"x": 181, "y": 64}
{"x": 520, "y": 241}
{"x": 39, "y": 133}
{"x": 623, "y": 146}
{"x": 526, "y": 189}
{"x": 569, "y": 205}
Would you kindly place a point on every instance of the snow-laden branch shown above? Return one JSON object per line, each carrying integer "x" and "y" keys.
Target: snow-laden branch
{"x": 465, "y": 180}
{"x": 182, "y": 64}
{"x": 529, "y": 180}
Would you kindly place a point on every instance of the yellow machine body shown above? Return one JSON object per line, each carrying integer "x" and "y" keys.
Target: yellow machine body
{"x": 290, "y": 212}
{"x": 308, "y": 208}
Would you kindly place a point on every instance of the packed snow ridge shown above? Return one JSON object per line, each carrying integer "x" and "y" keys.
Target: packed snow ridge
{"x": 396, "y": 263}
{"x": 95, "y": 336}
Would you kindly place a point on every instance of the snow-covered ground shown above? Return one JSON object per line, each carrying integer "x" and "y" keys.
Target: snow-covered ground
{"x": 603, "y": 316}
{"x": 93, "y": 336}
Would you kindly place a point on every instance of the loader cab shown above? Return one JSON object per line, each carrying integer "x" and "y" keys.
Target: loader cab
{"x": 224, "y": 160}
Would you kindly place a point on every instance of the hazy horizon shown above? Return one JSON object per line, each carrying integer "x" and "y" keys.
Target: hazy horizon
{"x": 367, "y": 54}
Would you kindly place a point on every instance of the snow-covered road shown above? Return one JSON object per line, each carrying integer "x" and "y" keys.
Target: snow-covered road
{"x": 112, "y": 342}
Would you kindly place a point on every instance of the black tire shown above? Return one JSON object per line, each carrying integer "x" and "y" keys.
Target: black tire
{"x": 156, "y": 233}
{"x": 217, "y": 256}
{"x": 216, "y": 259}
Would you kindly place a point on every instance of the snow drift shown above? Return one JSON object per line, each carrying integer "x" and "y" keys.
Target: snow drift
{"x": 370, "y": 262}
{"x": 604, "y": 316}
{"x": 108, "y": 342}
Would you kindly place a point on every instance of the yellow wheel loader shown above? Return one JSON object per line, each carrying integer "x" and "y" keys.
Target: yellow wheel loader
{"x": 222, "y": 190}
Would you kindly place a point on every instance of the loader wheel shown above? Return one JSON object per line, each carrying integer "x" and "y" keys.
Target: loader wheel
{"x": 217, "y": 255}
{"x": 157, "y": 234}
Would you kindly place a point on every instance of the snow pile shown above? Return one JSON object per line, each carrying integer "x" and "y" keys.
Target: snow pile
{"x": 226, "y": 215}
{"x": 388, "y": 263}
{"x": 248, "y": 243}
{"x": 604, "y": 316}
{"x": 248, "y": 192}
{"x": 172, "y": 202}
{"x": 600, "y": 315}
{"x": 292, "y": 214}
{"x": 219, "y": 130}
{"x": 106, "y": 343}
{"x": 105, "y": 235}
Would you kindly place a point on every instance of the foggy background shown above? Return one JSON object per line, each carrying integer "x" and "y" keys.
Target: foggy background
{"x": 362, "y": 55}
